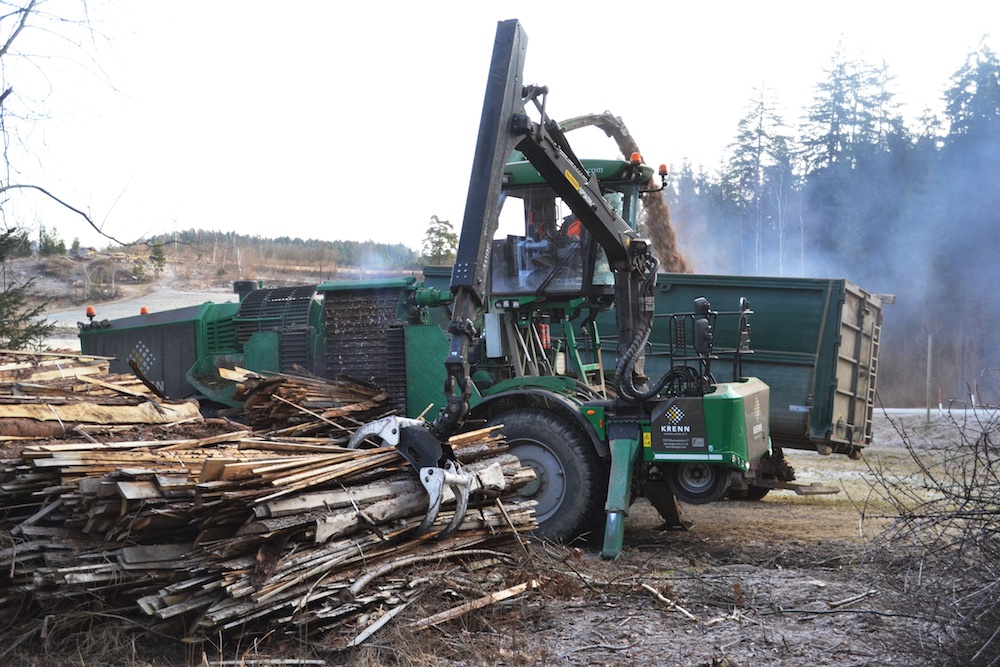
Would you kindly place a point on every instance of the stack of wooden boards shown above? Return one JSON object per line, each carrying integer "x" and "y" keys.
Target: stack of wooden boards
{"x": 226, "y": 529}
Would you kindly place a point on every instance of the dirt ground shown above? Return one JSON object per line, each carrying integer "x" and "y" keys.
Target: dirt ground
{"x": 783, "y": 581}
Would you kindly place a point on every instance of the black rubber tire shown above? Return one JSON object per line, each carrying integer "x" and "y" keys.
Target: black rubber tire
{"x": 749, "y": 494}
{"x": 698, "y": 482}
{"x": 755, "y": 493}
{"x": 736, "y": 494}
{"x": 572, "y": 480}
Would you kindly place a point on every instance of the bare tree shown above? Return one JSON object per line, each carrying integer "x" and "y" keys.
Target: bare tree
{"x": 66, "y": 22}
{"x": 27, "y": 29}
{"x": 941, "y": 548}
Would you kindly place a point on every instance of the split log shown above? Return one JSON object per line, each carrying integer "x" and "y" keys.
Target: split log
{"x": 86, "y": 412}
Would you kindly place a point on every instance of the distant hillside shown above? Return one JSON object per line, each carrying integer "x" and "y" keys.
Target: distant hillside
{"x": 194, "y": 260}
{"x": 231, "y": 252}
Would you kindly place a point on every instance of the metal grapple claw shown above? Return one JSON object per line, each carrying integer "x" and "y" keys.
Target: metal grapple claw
{"x": 435, "y": 480}
{"x": 434, "y": 462}
{"x": 387, "y": 428}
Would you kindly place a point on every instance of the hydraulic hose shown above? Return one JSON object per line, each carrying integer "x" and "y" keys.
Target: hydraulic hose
{"x": 623, "y": 372}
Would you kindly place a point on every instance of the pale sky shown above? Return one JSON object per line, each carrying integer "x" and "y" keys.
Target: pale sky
{"x": 358, "y": 121}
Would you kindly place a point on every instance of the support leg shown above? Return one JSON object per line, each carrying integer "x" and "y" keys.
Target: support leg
{"x": 623, "y": 454}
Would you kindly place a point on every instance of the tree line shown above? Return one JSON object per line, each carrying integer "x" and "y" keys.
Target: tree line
{"x": 852, "y": 191}
{"x": 231, "y": 248}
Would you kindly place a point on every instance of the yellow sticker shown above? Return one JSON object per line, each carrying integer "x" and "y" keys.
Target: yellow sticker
{"x": 572, "y": 181}
{"x": 647, "y": 440}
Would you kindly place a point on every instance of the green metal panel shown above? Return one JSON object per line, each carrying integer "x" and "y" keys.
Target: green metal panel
{"x": 624, "y": 446}
{"x": 555, "y": 383}
{"x": 726, "y": 427}
{"x": 204, "y": 377}
{"x": 736, "y": 420}
{"x": 220, "y": 333}
{"x": 520, "y": 172}
{"x": 261, "y": 352}
{"x": 426, "y": 349}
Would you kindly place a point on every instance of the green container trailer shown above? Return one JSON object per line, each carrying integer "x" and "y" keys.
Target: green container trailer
{"x": 815, "y": 343}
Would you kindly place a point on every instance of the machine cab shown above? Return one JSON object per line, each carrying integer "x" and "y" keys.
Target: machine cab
{"x": 553, "y": 255}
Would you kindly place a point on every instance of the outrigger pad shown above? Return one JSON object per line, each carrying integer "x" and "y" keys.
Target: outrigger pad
{"x": 666, "y": 505}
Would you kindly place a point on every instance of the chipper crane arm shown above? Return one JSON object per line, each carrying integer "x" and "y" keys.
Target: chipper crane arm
{"x": 505, "y": 126}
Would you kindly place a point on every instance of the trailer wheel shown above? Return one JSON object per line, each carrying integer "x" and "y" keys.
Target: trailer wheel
{"x": 570, "y": 488}
{"x": 697, "y": 482}
{"x": 752, "y": 493}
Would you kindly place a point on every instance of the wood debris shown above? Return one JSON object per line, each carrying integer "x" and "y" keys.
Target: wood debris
{"x": 20, "y": 366}
{"x": 279, "y": 527}
{"x": 300, "y": 405}
{"x": 49, "y": 395}
{"x": 478, "y": 603}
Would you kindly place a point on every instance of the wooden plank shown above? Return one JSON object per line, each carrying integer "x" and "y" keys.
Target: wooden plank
{"x": 236, "y": 374}
{"x": 232, "y": 436}
{"x": 139, "y": 490}
{"x": 213, "y": 469}
{"x": 175, "y": 486}
{"x": 71, "y": 372}
{"x": 157, "y": 553}
{"x": 93, "y": 413}
{"x": 114, "y": 387}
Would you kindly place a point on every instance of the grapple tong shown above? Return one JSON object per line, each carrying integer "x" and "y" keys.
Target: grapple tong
{"x": 434, "y": 462}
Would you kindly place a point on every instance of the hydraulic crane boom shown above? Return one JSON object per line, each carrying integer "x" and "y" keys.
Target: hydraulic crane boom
{"x": 494, "y": 145}
{"x": 505, "y": 126}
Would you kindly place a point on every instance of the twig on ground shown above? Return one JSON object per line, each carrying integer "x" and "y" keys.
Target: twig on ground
{"x": 478, "y": 603}
{"x": 377, "y": 625}
{"x": 852, "y": 599}
{"x": 671, "y": 605}
{"x": 590, "y": 647}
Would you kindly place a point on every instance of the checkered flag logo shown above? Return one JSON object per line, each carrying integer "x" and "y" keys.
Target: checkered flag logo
{"x": 142, "y": 356}
{"x": 674, "y": 415}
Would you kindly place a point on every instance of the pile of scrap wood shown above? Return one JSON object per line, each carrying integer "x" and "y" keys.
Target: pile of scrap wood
{"x": 29, "y": 367}
{"x": 301, "y": 405}
{"x": 242, "y": 530}
{"x": 50, "y": 395}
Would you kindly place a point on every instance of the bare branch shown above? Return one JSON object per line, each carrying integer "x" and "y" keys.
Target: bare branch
{"x": 82, "y": 214}
{"x": 25, "y": 13}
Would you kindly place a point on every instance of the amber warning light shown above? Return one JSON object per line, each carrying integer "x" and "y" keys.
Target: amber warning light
{"x": 91, "y": 324}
